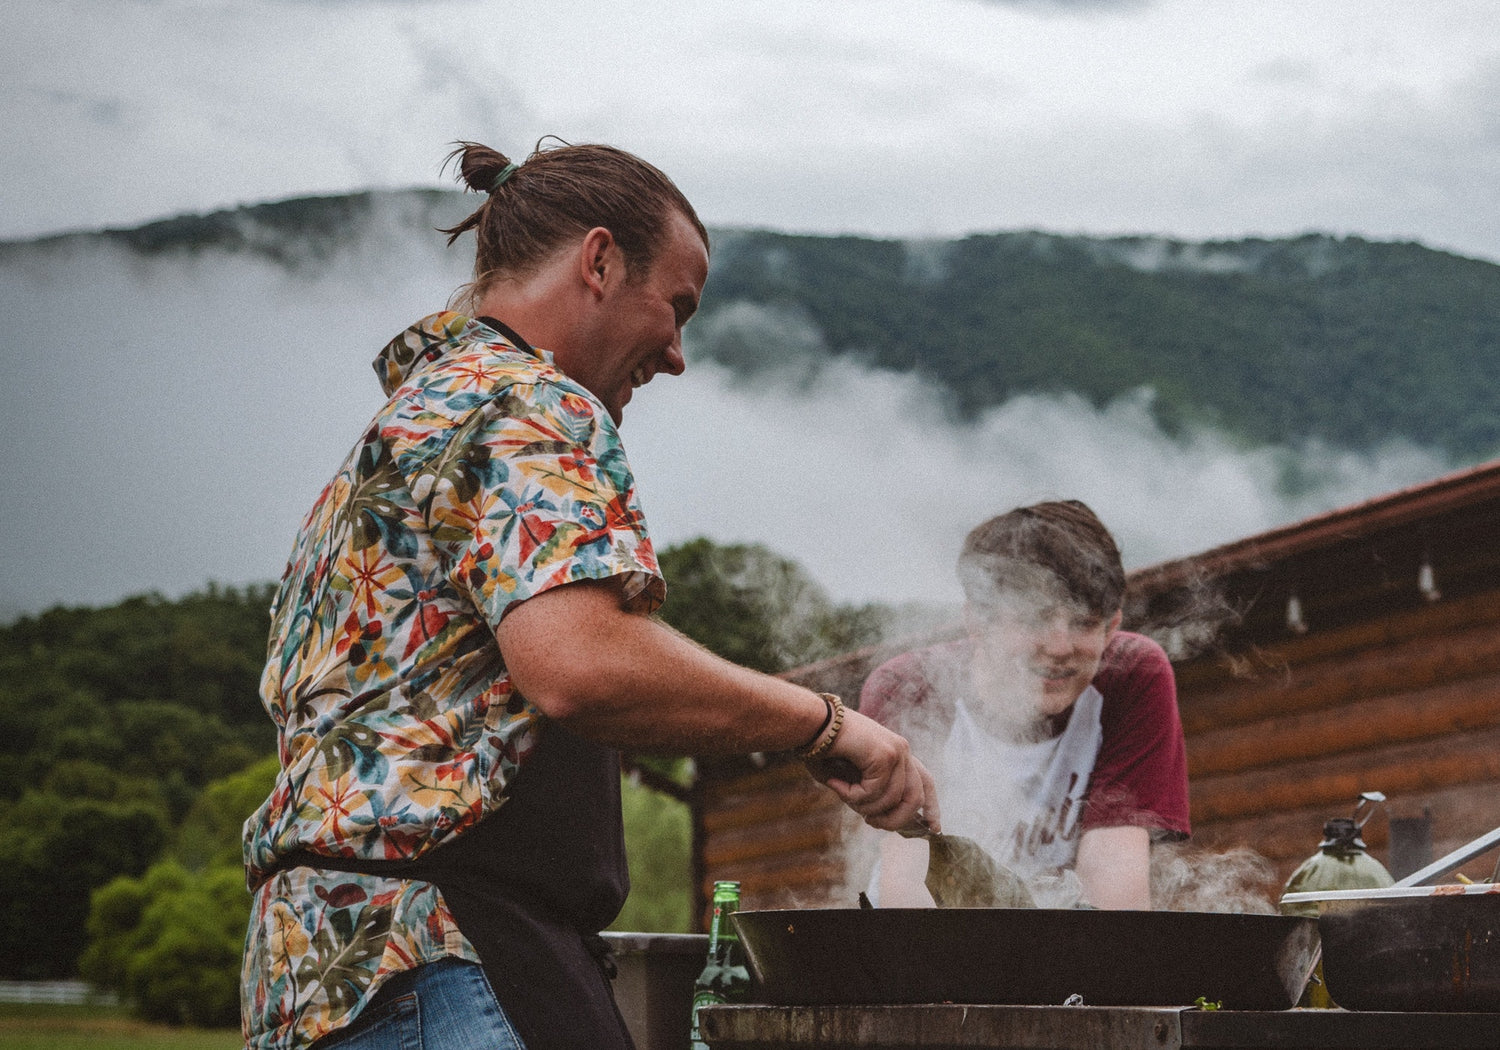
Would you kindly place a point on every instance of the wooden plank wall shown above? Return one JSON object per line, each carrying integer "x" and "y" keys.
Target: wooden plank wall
{"x": 1407, "y": 704}
{"x": 778, "y": 832}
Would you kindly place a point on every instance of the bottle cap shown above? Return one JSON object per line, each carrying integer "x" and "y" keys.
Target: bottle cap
{"x": 1341, "y": 833}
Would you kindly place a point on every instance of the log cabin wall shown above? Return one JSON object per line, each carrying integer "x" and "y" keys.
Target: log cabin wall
{"x": 1408, "y": 705}
{"x": 1383, "y": 675}
{"x": 1363, "y": 655}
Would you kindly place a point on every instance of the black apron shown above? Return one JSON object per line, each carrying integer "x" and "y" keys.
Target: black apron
{"x": 531, "y": 885}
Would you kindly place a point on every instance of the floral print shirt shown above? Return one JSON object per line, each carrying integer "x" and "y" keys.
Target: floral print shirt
{"x": 487, "y": 478}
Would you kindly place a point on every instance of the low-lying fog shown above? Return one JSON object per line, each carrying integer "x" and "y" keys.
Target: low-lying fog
{"x": 168, "y": 419}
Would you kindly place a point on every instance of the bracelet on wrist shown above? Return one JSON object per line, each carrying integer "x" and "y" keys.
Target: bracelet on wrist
{"x": 829, "y": 732}
{"x": 827, "y": 719}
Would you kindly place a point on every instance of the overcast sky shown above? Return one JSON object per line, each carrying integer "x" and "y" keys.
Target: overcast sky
{"x": 1193, "y": 118}
{"x": 1185, "y": 117}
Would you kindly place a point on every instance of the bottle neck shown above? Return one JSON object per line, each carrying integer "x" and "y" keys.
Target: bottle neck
{"x": 1343, "y": 849}
{"x": 721, "y": 932}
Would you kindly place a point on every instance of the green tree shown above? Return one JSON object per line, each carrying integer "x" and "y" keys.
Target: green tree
{"x": 171, "y": 942}
{"x": 203, "y": 652}
{"x": 659, "y": 841}
{"x": 55, "y": 850}
{"x": 210, "y": 835}
{"x": 757, "y": 608}
{"x": 112, "y": 720}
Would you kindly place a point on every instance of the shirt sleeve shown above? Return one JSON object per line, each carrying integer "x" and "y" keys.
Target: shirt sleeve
{"x": 884, "y": 683}
{"x": 1140, "y": 776}
{"x": 906, "y": 695}
{"x": 534, "y": 491}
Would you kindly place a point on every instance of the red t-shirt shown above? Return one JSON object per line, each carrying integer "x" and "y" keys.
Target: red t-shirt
{"x": 1140, "y": 775}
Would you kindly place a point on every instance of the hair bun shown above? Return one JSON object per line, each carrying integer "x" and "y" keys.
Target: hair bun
{"x": 481, "y": 169}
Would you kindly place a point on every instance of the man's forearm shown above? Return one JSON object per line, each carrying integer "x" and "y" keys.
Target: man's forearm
{"x": 632, "y": 682}
{"x": 623, "y": 679}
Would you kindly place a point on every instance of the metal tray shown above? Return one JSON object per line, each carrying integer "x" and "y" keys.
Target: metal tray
{"x": 1436, "y": 952}
{"x": 1028, "y": 956}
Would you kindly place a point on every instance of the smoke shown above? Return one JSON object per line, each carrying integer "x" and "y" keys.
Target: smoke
{"x": 1190, "y": 619}
{"x": 1187, "y": 878}
{"x": 1184, "y": 876}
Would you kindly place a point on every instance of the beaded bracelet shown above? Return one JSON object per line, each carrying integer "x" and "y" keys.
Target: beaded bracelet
{"x": 830, "y": 731}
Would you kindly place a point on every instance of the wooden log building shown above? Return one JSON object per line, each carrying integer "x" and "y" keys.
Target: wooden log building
{"x": 1358, "y": 651}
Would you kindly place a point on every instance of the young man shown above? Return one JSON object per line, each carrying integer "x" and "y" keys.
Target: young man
{"x": 461, "y": 639}
{"x": 1055, "y": 735}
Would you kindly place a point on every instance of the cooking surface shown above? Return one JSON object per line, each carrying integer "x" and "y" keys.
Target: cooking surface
{"x": 944, "y": 1026}
{"x": 1033, "y": 956}
{"x": 1415, "y": 953}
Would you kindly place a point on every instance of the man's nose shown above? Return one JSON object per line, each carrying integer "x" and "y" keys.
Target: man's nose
{"x": 673, "y": 362}
{"x": 1054, "y": 638}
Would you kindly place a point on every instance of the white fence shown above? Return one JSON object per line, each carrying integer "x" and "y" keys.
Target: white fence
{"x": 66, "y": 992}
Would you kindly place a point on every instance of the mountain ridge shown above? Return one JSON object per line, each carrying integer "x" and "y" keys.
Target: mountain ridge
{"x": 1344, "y": 340}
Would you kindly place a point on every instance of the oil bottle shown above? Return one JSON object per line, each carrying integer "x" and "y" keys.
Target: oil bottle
{"x": 1341, "y": 863}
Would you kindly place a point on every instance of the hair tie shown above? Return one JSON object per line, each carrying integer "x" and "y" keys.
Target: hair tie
{"x": 505, "y": 174}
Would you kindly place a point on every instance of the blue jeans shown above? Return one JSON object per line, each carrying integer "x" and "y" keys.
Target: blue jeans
{"x": 443, "y": 1005}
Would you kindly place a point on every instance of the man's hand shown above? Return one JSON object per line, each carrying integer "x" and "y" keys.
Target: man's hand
{"x": 873, "y": 771}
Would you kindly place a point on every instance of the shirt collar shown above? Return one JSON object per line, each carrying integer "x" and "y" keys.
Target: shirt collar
{"x": 511, "y": 335}
{"x": 433, "y": 336}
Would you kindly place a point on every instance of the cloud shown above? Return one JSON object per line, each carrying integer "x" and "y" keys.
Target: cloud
{"x": 1284, "y": 71}
{"x": 352, "y": 3}
{"x": 873, "y": 116}
{"x": 1073, "y": 6}
{"x": 862, "y": 476}
{"x": 176, "y": 413}
{"x": 179, "y": 416}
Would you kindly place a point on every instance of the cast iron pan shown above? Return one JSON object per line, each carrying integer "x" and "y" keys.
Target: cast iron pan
{"x": 1028, "y": 956}
{"x": 1439, "y": 952}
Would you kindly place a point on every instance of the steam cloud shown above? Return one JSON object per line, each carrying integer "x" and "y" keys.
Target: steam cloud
{"x": 862, "y": 476}
{"x": 1187, "y": 878}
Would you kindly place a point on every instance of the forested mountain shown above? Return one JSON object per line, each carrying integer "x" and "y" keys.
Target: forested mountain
{"x": 1345, "y": 340}
{"x": 1349, "y": 341}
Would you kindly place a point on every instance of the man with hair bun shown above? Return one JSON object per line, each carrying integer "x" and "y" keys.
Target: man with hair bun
{"x": 462, "y": 639}
{"x": 1055, "y": 734}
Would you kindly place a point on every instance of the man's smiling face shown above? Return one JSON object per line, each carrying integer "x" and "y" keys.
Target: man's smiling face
{"x": 642, "y": 335}
{"x": 1046, "y": 646}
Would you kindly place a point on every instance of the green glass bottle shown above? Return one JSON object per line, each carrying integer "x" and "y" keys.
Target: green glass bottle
{"x": 724, "y": 978}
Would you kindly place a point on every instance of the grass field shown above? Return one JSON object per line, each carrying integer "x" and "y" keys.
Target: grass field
{"x": 26, "y": 1027}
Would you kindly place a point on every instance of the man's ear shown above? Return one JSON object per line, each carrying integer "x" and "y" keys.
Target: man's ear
{"x": 599, "y": 260}
{"x": 1114, "y": 623}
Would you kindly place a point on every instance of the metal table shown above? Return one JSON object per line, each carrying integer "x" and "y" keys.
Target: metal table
{"x": 950, "y": 1026}
{"x": 653, "y": 984}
